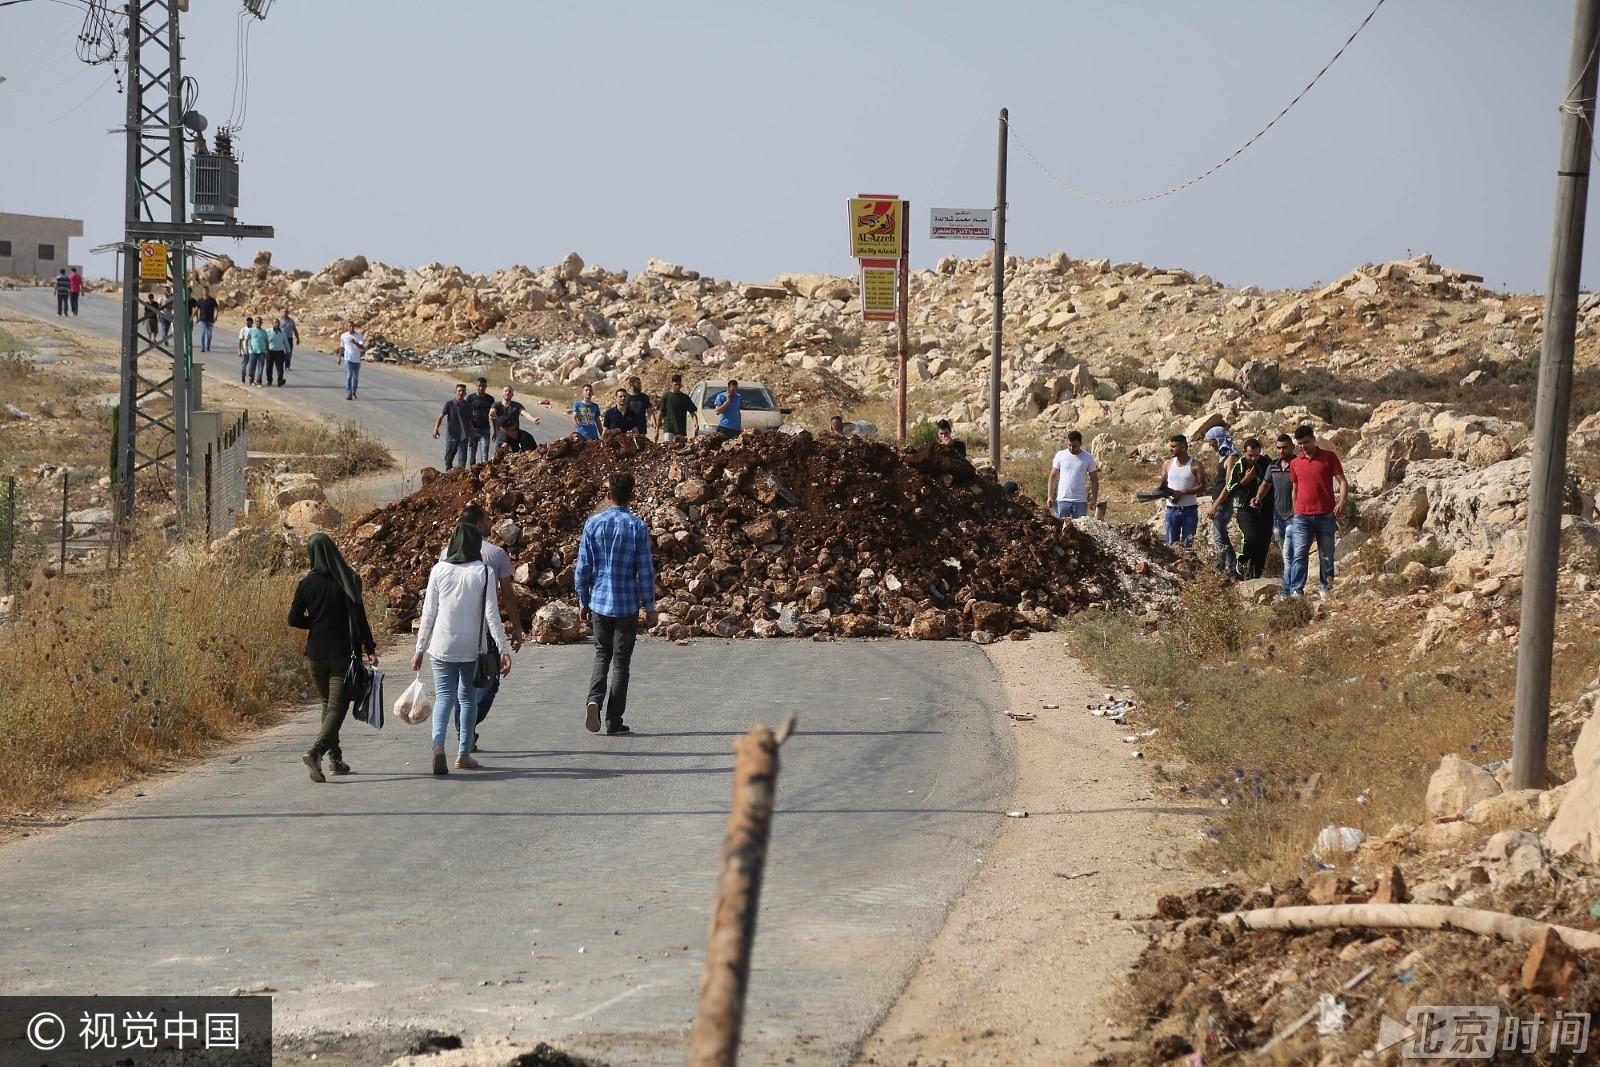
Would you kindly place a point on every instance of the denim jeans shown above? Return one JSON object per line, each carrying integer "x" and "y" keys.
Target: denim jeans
{"x": 352, "y": 376}
{"x": 1301, "y": 532}
{"x": 455, "y": 448}
{"x": 1071, "y": 509}
{"x": 205, "y": 336}
{"x": 614, "y": 637}
{"x": 1181, "y": 525}
{"x": 478, "y": 450}
{"x": 1222, "y": 537}
{"x": 258, "y": 366}
{"x": 452, "y": 687}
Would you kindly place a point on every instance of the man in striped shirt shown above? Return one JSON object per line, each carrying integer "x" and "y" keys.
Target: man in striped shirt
{"x": 614, "y": 579}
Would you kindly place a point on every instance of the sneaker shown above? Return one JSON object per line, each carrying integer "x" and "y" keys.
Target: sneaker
{"x": 467, "y": 763}
{"x": 314, "y": 761}
{"x": 440, "y": 766}
{"x": 338, "y": 768}
{"x": 1322, "y": 592}
{"x": 618, "y": 728}
{"x": 591, "y": 721}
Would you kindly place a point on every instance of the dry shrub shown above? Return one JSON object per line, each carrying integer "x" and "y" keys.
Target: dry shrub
{"x": 1211, "y": 617}
{"x": 109, "y": 680}
{"x": 330, "y": 452}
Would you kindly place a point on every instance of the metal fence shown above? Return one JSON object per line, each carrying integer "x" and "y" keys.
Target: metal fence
{"x": 38, "y": 525}
{"x": 221, "y": 442}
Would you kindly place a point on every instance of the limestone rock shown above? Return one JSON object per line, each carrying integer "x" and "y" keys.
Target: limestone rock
{"x": 1259, "y": 376}
{"x": 571, "y": 267}
{"x": 1577, "y": 824}
{"x": 556, "y": 623}
{"x": 311, "y": 516}
{"x": 1456, "y": 786}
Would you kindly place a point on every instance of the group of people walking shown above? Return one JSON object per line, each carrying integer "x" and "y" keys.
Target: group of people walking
{"x": 1294, "y": 499}
{"x": 69, "y": 286}
{"x": 463, "y": 635}
{"x": 263, "y": 351}
{"x": 476, "y": 425}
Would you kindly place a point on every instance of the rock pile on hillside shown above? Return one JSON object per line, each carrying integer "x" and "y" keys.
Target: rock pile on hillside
{"x": 773, "y": 535}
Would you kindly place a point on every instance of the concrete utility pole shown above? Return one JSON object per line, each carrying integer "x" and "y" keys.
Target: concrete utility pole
{"x": 997, "y": 338}
{"x": 1531, "y": 733}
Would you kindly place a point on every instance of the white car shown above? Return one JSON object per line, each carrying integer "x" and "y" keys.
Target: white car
{"x": 758, "y": 410}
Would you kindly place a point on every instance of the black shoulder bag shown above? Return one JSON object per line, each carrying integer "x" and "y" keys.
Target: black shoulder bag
{"x": 488, "y": 662}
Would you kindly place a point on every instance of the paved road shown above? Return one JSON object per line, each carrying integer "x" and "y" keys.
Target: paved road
{"x": 397, "y": 404}
{"x": 564, "y": 890}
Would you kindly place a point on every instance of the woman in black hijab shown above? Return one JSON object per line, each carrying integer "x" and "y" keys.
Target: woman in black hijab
{"x": 328, "y": 603}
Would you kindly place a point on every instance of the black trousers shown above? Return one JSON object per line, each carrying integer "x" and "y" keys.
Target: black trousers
{"x": 614, "y": 638}
{"x": 1255, "y": 526}
{"x": 328, "y": 676}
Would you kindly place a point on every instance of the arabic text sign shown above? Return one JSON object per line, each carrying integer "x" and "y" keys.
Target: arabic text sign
{"x": 961, "y": 223}
{"x": 875, "y": 227}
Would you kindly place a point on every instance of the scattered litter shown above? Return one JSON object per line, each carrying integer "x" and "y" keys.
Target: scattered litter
{"x": 1334, "y": 839}
{"x": 1022, "y": 716}
{"x": 17, "y": 413}
{"x": 1136, "y": 755}
{"x": 1352, "y": 680}
{"x": 1331, "y": 1014}
{"x": 1361, "y": 976}
{"x": 1016, "y": 815}
{"x": 1052, "y": 707}
{"x": 1365, "y": 795}
{"x": 1080, "y": 874}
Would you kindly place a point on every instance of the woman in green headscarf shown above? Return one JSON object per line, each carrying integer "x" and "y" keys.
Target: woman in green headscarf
{"x": 328, "y": 603}
{"x": 460, "y": 609}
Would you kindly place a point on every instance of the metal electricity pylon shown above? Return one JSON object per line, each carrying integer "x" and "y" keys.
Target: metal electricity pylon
{"x": 157, "y": 374}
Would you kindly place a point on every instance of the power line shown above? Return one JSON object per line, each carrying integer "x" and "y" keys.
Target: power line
{"x": 71, "y": 110}
{"x": 1234, "y": 155}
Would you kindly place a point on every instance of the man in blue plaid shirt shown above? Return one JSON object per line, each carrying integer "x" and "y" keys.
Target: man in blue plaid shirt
{"x": 615, "y": 578}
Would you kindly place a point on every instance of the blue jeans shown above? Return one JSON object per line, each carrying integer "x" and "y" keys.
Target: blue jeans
{"x": 1280, "y": 535}
{"x": 258, "y": 366}
{"x": 478, "y": 450}
{"x": 1181, "y": 525}
{"x": 352, "y": 375}
{"x": 205, "y": 336}
{"x": 1301, "y": 531}
{"x": 452, "y": 688}
{"x": 1071, "y": 509}
{"x": 455, "y": 448}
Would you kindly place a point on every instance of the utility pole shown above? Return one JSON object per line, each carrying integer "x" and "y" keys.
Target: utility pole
{"x": 903, "y": 315}
{"x": 153, "y": 427}
{"x": 1531, "y": 729}
{"x": 997, "y": 338}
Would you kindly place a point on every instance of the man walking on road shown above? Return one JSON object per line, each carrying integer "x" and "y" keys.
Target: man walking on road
{"x": 205, "y": 312}
{"x": 63, "y": 292}
{"x": 614, "y": 579}
{"x": 1079, "y": 476}
{"x": 74, "y": 287}
{"x": 291, "y": 331}
{"x": 480, "y": 417}
{"x": 244, "y": 345}
{"x": 457, "y": 417}
{"x": 352, "y": 349}
{"x": 675, "y": 411}
{"x": 1314, "y": 473}
{"x": 277, "y": 351}
{"x": 256, "y": 343}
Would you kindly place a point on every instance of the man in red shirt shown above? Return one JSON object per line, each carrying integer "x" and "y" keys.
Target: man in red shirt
{"x": 1313, "y": 473}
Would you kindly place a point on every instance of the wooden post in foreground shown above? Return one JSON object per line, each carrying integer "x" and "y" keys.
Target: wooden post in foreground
{"x": 714, "y": 1042}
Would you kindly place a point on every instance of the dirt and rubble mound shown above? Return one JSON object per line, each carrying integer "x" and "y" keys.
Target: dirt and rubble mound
{"x": 773, "y": 535}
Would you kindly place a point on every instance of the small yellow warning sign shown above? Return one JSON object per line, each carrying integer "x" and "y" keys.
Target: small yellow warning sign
{"x": 153, "y": 262}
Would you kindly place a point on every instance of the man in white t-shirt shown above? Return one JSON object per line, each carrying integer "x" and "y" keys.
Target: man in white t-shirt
{"x": 352, "y": 346}
{"x": 1074, "y": 479}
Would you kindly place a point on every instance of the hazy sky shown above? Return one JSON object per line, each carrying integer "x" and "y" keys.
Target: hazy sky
{"x": 726, "y": 135}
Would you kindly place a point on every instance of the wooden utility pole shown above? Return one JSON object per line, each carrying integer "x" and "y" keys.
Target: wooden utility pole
{"x": 714, "y": 1041}
{"x": 1531, "y": 731}
{"x": 997, "y": 337}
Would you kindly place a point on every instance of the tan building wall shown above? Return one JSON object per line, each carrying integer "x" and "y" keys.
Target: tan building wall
{"x": 24, "y": 240}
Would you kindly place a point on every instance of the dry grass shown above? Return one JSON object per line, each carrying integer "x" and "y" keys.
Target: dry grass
{"x": 332, "y": 453}
{"x": 108, "y": 681}
{"x": 1251, "y": 701}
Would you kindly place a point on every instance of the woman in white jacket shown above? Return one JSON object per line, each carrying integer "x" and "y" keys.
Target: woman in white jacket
{"x": 461, "y": 609}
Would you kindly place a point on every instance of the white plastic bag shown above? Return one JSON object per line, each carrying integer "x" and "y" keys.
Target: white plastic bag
{"x": 408, "y": 702}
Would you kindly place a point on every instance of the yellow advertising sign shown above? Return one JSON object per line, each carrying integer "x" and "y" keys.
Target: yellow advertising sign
{"x": 876, "y": 227}
{"x": 153, "y": 262}
{"x": 879, "y": 287}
